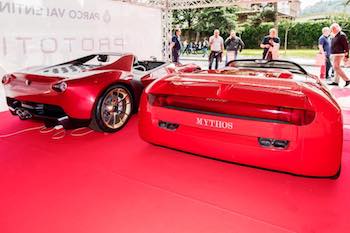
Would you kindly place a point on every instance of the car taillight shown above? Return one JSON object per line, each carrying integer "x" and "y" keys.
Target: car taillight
{"x": 235, "y": 109}
{"x": 7, "y": 79}
{"x": 296, "y": 116}
{"x": 60, "y": 87}
{"x": 159, "y": 101}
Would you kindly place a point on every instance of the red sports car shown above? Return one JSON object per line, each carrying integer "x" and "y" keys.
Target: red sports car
{"x": 102, "y": 90}
{"x": 268, "y": 114}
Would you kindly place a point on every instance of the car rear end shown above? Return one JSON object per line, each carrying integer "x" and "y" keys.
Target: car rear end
{"x": 56, "y": 99}
{"x": 277, "y": 124}
{"x": 28, "y": 96}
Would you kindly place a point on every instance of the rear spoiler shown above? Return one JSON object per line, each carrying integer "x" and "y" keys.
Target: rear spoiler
{"x": 267, "y": 64}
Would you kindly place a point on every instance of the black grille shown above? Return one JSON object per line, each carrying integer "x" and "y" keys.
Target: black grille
{"x": 37, "y": 109}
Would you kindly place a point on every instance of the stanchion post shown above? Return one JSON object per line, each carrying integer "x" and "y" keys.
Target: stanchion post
{"x": 166, "y": 31}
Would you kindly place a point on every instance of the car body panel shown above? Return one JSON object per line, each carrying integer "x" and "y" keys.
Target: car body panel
{"x": 224, "y": 116}
{"x": 85, "y": 82}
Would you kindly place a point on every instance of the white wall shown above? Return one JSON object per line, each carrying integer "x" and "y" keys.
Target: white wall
{"x": 45, "y": 32}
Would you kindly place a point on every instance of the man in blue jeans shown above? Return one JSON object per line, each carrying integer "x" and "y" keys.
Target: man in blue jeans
{"x": 176, "y": 46}
{"x": 324, "y": 45}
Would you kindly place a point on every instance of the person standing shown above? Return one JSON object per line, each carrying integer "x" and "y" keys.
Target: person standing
{"x": 216, "y": 43}
{"x": 176, "y": 46}
{"x": 340, "y": 52}
{"x": 185, "y": 47}
{"x": 324, "y": 46}
{"x": 200, "y": 46}
{"x": 233, "y": 44}
{"x": 205, "y": 46}
{"x": 271, "y": 45}
{"x": 190, "y": 47}
{"x": 195, "y": 47}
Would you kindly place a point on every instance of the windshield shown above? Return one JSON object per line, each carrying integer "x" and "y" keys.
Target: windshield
{"x": 98, "y": 60}
{"x": 272, "y": 64}
{"x": 82, "y": 64}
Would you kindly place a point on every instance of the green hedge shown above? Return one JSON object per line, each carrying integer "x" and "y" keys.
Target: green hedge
{"x": 301, "y": 34}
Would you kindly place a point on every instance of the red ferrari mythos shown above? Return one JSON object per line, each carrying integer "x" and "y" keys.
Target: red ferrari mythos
{"x": 102, "y": 90}
{"x": 267, "y": 114}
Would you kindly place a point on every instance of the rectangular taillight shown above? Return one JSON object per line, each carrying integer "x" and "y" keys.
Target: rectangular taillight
{"x": 235, "y": 109}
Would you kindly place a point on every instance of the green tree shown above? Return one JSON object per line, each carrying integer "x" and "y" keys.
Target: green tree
{"x": 223, "y": 18}
{"x": 288, "y": 25}
{"x": 206, "y": 20}
{"x": 267, "y": 15}
{"x": 185, "y": 18}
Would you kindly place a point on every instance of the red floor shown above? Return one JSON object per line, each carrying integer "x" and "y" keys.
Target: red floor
{"x": 119, "y": 184}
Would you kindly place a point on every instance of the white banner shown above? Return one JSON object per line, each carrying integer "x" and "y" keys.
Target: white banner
{"x": 45, "y": 32}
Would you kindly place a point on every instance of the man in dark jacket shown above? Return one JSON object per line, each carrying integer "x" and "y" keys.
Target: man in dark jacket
{"x": 270, "y": 44}
{"x": 176, "y": 46}
{"x": 340, "y": 52}
{"x": 233, "y": 44}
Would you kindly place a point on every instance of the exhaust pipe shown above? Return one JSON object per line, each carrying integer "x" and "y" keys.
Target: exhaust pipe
{"x": 23, "y": 114}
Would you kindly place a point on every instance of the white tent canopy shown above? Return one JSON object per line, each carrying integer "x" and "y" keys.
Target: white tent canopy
{"x": 192, "y": 4}
{"x": 167, "y": 6}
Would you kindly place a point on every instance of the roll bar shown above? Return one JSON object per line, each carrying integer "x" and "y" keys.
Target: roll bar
{"x": 272, "y": 64}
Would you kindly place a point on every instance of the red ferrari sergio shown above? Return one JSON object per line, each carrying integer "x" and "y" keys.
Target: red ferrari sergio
{"x": 268, "y": 114}
{"x": 102, "y": 90}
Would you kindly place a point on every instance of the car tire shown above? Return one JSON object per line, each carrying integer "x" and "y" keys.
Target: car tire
{"x": 113, "y": 109}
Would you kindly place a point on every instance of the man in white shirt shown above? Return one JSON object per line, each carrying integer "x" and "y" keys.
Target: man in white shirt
{"x": 216, "y": 43}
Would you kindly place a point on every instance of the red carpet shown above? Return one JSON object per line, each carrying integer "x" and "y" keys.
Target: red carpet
{"x": 119, "y": 184}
